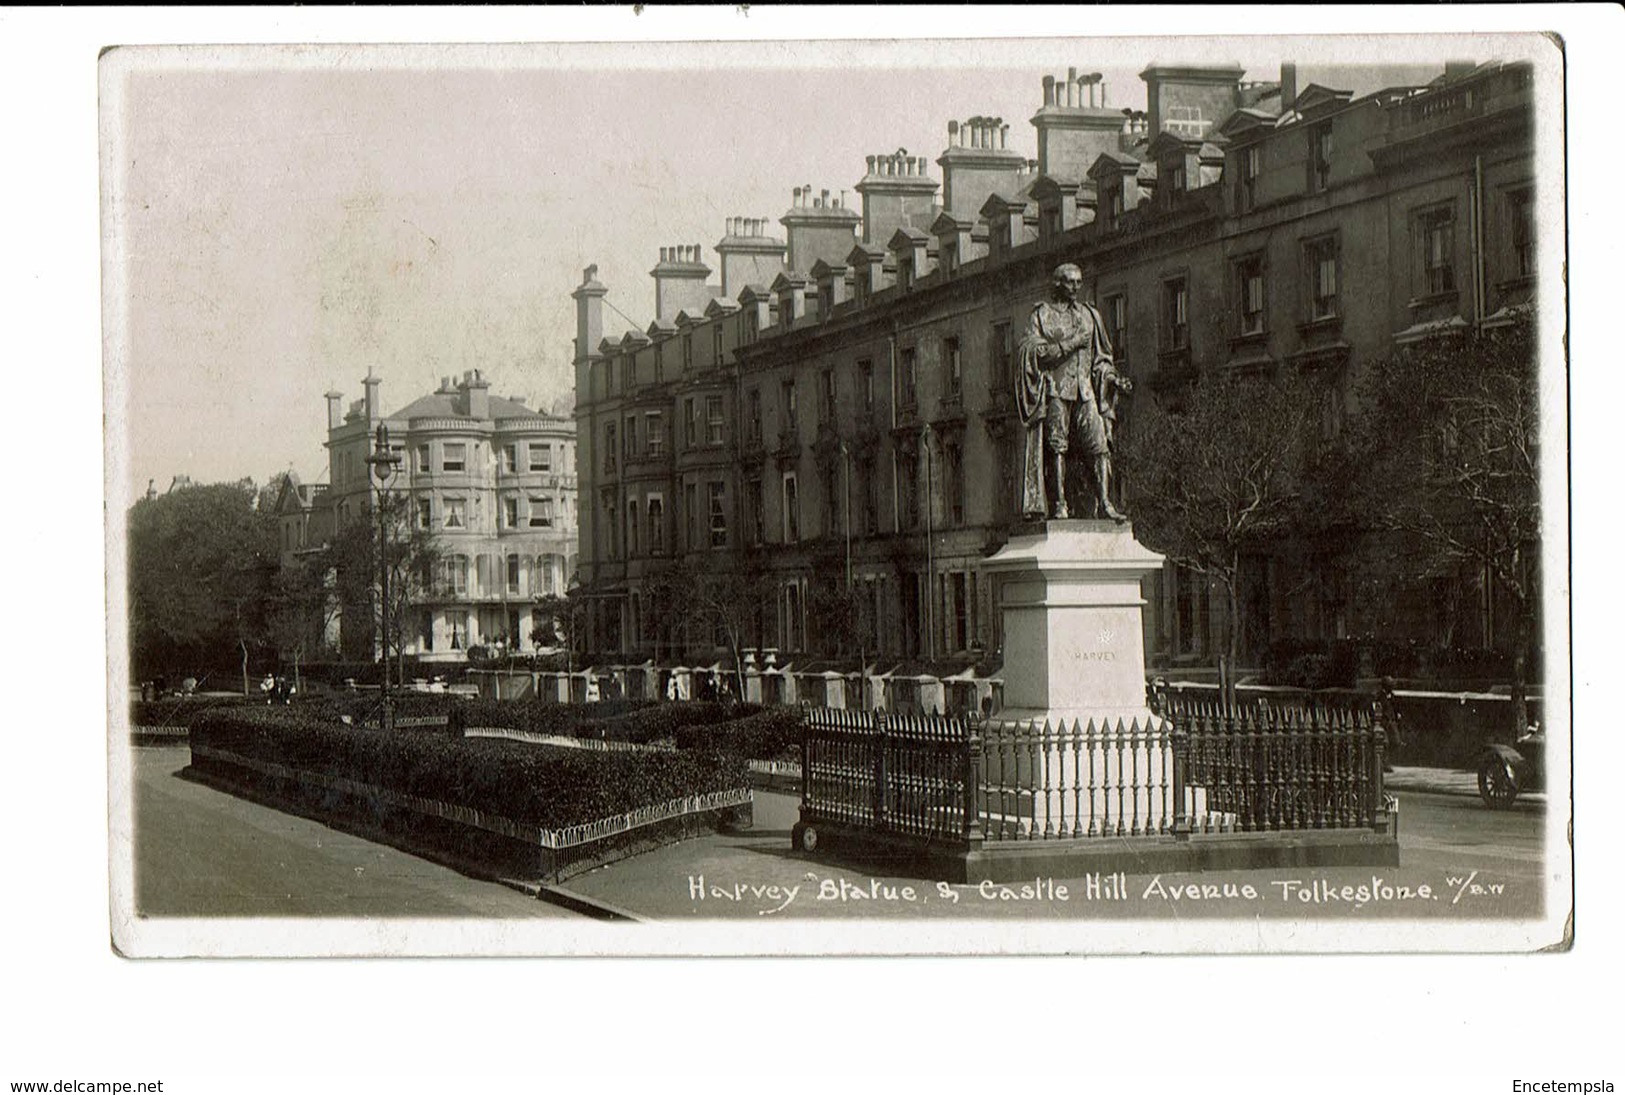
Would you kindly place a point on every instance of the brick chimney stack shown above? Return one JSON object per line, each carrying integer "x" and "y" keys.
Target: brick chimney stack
{"x": 371, "y": 384}
{"x": 1074, "y": 125}
{"x": 589, "y": 298}
{"x": 977, "y": 163}
{"x": 1289, "y": 87}
{"x": 1190, "y": 100}
{"x": 749, "y": 255}
{"x": 897, "y": 193}
{"x": 476, "y": 393}
{"x": 817, "y": 228}
{"x": 335, "y": 410}
{"x": 680, "y": 281}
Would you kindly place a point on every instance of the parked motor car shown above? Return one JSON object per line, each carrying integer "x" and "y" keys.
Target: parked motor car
{"x": 1507, "y": 771}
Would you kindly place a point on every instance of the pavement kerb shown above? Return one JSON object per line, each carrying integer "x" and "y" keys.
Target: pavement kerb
{"x": 564, "y": 899}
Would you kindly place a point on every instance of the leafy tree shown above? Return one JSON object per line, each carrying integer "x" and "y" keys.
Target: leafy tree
{"x": 729, "y": 605}
{"x": 304, "y": 605}
{"x": 1444, "y": 455}
{"x": 836, "y": 612}
{"x": 561, "y": 620}
{"x": 413, "y": 557}
{"x": 669, "y": 596}
{"x": 1220, "y": 469}
{"x": 202, "y": 563}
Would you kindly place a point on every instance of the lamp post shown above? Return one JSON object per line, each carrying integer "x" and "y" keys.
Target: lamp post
{"x": 930, "y": 556}
{"x": 846, "y": 459}
{"x": 383, "y": 462}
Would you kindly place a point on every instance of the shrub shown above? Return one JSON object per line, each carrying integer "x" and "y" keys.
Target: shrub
{"x": 183, "y": 710}
{"x": 538, "y": 716}
{"x": 662, "y": 721}
{"x": 1310, "y": 663}
{"x": 767, "y": 735}
{"x": 530, "y": 784}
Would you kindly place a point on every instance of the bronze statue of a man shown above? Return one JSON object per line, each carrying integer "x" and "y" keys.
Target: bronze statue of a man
{"x": 1066, "y": 393}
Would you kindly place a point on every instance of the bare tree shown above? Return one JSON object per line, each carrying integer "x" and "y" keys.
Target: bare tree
{"x": 1217, "y": 470}
{"x": 1444, "y": 454}
{"x": 728, "y": 604}
{"x": 413, "y": 558}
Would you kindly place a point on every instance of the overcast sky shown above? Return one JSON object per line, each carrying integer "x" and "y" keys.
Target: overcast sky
{"x": 285, "y": 220}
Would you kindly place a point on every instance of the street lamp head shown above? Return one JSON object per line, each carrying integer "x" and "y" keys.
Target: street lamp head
{"x": 383, "y": 458}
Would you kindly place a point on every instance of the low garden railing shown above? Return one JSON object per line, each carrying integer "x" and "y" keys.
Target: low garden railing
{"x": 1195, "y": 767}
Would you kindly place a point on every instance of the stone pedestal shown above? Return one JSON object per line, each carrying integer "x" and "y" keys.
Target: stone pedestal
{"x": 1075, "y": 742}
{"x": 1073, "y": 643}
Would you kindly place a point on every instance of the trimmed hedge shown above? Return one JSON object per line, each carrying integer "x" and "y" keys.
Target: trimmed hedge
{"x": 536, "y": 785}
{"x": 406, "y": 705}
{"x": 772, "y": 734}
{"x": 664, "y": 721}
{"x": 183, "y": 711}
{"x": 1336, "y": 663}
{"x": 538, "y": 716}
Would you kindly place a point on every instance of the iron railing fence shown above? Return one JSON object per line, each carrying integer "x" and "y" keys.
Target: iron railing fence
{"x": 1289, "y": 763}
{"x": 1079, "y": 779}
{"x": 1196, "y": 767}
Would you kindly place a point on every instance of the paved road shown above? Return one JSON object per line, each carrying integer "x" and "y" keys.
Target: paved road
{"x": 1473, "y": 862}
{"x": 202, "y": 852}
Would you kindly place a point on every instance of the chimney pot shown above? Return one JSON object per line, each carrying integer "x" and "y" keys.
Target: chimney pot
{"x": 1049, "y": 91}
